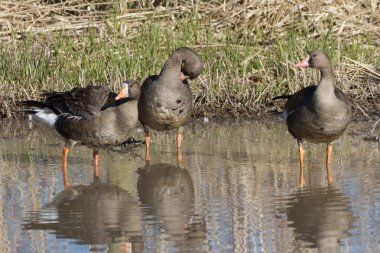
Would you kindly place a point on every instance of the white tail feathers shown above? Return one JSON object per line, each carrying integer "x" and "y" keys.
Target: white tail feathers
{"x": 45, "y": 116}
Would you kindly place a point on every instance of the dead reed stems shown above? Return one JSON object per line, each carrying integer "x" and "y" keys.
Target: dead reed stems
{"x": 247, "y": 45}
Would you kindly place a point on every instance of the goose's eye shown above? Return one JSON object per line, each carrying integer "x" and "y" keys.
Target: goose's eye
{"x": 314, "y": 55}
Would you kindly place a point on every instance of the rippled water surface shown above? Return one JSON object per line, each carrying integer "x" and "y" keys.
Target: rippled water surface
{"x": 236, "y": 191}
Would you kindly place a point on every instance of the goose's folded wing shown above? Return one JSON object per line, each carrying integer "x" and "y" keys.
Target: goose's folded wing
{"x": 300, "y": 98}
{"x": 83, "y": 102}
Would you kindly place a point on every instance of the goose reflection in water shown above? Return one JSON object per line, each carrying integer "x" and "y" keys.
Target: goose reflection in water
{"x": 96, "y": 214}
{"x": 321, "y": 217}
{"x": 167, "y": 193}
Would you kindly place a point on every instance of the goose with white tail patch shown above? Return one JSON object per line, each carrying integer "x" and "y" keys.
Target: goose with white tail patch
{"x": 93, "y": 116}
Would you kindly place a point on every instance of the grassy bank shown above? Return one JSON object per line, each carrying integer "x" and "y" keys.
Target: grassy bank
{"x": 248, "y": 48}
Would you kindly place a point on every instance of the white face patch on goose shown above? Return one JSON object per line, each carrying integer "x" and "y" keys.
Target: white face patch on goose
{"x": 124, "y": 92}
{"x": 125, "y": 86}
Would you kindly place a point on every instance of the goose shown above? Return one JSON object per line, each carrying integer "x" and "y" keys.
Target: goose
{"x": 166, "y": 101}
{"x": 317, "y": 113}
{"x": 93, "y": 116}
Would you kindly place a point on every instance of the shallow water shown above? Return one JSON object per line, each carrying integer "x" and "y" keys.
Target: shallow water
{"x": 237, "y": 192}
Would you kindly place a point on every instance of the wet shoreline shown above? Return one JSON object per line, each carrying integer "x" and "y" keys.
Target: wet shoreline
{"x": 239, "y": 181}
{"x": 369, "y": 130}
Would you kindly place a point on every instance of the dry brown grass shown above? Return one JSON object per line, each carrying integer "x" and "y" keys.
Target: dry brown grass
{"x": 350, "y": 17}
{"x": 248, "y": 45}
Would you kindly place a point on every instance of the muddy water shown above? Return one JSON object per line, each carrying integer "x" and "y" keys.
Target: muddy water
{"x": 237, "y": 191}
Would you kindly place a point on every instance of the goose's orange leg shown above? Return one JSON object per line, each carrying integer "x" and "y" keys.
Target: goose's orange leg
{"x": 95, "y": 156}
{"x": 179, "y": 144}
{"x": 66, "y": 184}
{"x": 300, "y": 153}
{"x": 147, "y": 145}
{"x": 328, "y": 159}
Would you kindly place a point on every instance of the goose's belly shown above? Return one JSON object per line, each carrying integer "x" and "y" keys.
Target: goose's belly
{"x": 96, "y": 134}
{"x": 109, "y": 135}
{"x": 104, "y": 139}
{"x": 321, "y": 136}
{"x": 316, "y": 128}
{"x": 165, "y": 118}
{"x": 166, "y": 112}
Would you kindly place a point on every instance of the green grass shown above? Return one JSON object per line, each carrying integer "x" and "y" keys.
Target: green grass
{"x": 244, "y": 69}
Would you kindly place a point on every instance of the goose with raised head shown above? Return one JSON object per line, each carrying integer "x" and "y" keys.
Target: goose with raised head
{"x": 318, "y": 113}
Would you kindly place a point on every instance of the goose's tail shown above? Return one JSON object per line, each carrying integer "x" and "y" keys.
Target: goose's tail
{"x": 40, "y": 112}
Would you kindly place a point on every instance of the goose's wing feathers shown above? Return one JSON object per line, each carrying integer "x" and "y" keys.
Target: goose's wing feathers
{"x": 339, "y": 94}
{"x": 83, "y": 102}
{"x": 299, "y": 98}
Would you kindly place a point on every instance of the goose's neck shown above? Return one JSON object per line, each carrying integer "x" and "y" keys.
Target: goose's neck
{"x": 326, "y": 84}
{"x": 172, "y": 68}
{"x": 124, "y": 110}
{"x": 324, "y": 97}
